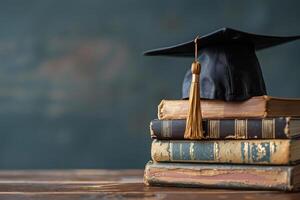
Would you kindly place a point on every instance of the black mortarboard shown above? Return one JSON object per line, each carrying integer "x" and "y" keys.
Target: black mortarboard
{"x": 230, "y": 69}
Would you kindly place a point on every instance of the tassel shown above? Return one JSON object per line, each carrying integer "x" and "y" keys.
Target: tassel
{"x": 193, "y": 129}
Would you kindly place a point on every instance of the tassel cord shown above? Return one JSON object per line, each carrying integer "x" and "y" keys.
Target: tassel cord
{"x": 194, "y": 128}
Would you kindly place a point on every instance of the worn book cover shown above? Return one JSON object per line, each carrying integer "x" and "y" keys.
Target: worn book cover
{"x": 268, "y": 128}
{"x": 268, "y": 152}
{"x": 255, "y": 107}
{"x": 286, "y": 178}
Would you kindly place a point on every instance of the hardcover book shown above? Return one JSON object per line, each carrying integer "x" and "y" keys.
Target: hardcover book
{"x": 268, "y": 128}
{"x": 268, "y": 152}
{"x": 255, "y": 107}
{"x": 286, "y": 178}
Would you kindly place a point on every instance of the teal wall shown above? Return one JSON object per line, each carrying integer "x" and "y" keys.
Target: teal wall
{"x": 75, "y": 91}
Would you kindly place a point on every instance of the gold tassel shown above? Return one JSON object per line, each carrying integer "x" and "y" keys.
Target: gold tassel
{"x": 193, "y": 129}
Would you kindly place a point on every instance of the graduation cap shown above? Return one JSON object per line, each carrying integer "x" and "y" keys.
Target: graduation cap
{"x": 230, "y": 70}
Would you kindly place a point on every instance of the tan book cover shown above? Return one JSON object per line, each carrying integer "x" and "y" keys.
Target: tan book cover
{"x": 256, "y": 177}
{"x": 255, "y": 107}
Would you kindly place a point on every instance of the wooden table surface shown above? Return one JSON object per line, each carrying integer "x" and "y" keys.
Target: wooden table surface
{"x": 109, "y": 184}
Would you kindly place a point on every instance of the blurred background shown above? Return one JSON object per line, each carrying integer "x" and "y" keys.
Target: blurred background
{"x": 76, "y": 92}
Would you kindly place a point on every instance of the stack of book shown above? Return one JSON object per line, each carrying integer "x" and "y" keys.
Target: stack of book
{"x": 248, "y": 145}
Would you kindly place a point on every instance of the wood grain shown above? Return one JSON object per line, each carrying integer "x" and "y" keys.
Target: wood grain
{"x": 108, "y": 184}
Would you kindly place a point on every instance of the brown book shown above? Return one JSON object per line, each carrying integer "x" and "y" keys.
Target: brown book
{"x": 254, "y": 128}
{"x": 256, "y": 107}
{"x": 286, "y": 178}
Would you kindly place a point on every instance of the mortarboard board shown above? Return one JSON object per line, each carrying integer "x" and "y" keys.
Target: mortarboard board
{"x": 230, "y": 70}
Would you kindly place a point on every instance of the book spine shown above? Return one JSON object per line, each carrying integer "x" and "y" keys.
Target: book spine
{"x": 276, "y": 152}
{"x": 269, "y": 128}
{"x": 215, "y": 109}
{"x": 220, "y": 176}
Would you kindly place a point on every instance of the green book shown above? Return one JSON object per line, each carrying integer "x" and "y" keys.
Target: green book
{"x": 284, "y": 178}
{"x": 268, "y": 152}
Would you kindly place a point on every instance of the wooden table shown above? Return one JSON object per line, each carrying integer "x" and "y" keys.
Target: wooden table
{"x": 109, "y": 184}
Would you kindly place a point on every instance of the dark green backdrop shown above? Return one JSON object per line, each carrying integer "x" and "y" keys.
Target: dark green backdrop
{"x": 75, "y": 91}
